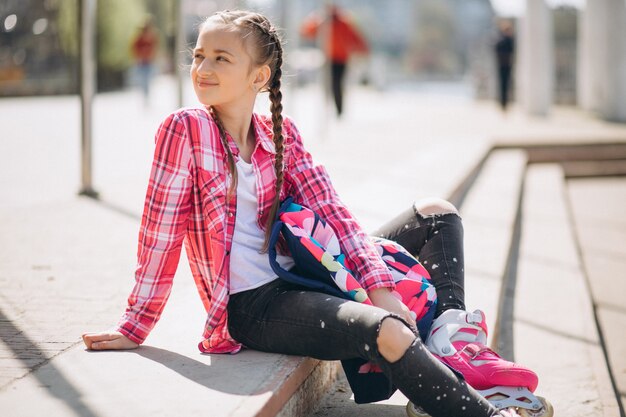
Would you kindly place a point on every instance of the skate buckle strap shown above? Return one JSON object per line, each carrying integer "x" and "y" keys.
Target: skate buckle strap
{"x": 473, "y": 350}
{"x": 477, "y": 318}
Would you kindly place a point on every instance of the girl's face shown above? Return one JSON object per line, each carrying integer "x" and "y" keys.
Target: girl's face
{"x": 222, "y": 71}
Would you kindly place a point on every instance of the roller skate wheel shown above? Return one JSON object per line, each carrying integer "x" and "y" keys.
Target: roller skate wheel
{"x": 546, "y": 410}
{"x": 414, "y": 411}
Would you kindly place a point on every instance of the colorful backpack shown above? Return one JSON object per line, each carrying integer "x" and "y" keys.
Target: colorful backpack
{"x": 322, "y": 266}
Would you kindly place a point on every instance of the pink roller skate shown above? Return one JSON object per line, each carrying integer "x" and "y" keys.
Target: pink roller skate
{"x": 458, "y": 338}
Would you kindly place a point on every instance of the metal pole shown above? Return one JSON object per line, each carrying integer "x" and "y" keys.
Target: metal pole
{"x": 290, "y": 39}
{"x": 179, "y": 59}
{"x": 87, "y": 90}
{"x": 324, "y": 42}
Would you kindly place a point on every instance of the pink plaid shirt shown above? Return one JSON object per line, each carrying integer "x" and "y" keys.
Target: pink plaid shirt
{"x": 186, "y": 201}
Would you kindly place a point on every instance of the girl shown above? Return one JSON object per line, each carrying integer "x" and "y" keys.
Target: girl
{"x": 218, "y": 175}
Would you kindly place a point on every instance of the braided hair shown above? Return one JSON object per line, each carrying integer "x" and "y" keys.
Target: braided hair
{"x": 265, "y": 48}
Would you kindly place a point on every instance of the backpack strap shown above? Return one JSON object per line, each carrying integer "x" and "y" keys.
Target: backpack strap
{"x": 288, "y": 275}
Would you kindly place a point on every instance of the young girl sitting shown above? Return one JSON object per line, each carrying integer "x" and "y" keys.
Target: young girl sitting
{"x": 218, "y": 175}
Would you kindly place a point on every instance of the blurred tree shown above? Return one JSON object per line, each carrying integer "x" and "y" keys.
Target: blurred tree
{"x": 68, "y": 27}
{"x": 118, "y": 21}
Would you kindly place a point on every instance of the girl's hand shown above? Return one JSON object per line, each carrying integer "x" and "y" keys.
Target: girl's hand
{"x": 108, "y": 341}
{"x": 383, "y": 298}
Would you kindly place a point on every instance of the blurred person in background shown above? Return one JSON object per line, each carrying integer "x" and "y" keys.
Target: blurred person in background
{"x": 504, "y": 48}
{"x": 144, "y": 48}
{"x": 343, "y": 40}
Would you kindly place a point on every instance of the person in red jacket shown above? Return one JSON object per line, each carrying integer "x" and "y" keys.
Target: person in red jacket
{"x": 144, "y": 48}
{"x": 342, "y": 41}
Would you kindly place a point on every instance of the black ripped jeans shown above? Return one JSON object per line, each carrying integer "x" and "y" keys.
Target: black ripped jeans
{"x": 281, "y": 317}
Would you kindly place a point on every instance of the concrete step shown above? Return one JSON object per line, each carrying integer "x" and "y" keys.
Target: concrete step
{"x": 597, "y": 207}
{"x": 562, "y": 152}
{"x": 555, "y": 332}
{"x": 489, "y": 217}
{"x": 581, "y": 169}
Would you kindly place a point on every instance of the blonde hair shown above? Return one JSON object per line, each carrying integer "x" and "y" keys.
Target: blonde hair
{"x": 265, "y": 48}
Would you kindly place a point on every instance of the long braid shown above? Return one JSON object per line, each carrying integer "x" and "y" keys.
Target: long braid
{"x": 276, "y": 107}
{"x": 231, "y": 159}
{"x": 267, "y": 49}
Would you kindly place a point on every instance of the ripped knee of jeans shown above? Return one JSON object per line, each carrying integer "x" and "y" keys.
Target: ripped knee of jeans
{"x": 432, "y": 207}
{"x": 393, "y": 316}
{"x": 393, "y": 344}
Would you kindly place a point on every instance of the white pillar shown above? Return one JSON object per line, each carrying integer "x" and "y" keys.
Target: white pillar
{"x": 589, "y": 55}
{"x": 602, "y": 59}
{"x": 535, "y": 73}
{"x": 613, "y": 62}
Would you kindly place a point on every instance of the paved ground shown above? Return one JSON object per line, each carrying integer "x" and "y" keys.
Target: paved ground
{"x": 67, "y": 262}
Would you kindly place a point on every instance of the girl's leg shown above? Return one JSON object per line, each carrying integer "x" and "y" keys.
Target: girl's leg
{"x": 285, "y": 318}
{"x": 432, "y": 231}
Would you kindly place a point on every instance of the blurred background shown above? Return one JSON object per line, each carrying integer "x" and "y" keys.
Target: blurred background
{"x": 85, "y": 83}
{"x": 410, "y": 102}
{"x": 101, "y": 74}
{"x": 410, "y": 41}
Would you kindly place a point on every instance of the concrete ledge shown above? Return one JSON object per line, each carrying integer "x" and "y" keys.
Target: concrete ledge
{"x": 560, "y": 152}
{"x": 291, "y": 390}
{"x": 580, "y": 169}
{"x": 489, "y": 216}
{"x": 554, "y": 329}
{"x": 309, "y": 393}
{"x": 84, "y": 290}
{"x": 597, "y": 207}
{"x": 171, "y": 380}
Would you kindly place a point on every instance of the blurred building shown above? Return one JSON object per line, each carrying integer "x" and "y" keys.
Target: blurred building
{"x": 39, "y": 43}
{"x": 34, "y": 59}
{"x": 410, "y": 40}
{"x": 565, "y": 54}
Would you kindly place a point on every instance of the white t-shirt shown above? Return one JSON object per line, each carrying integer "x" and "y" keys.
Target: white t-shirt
{"x": 248, "y": 268}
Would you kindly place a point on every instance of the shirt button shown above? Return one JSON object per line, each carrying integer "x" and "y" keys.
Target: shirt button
{"x": 209, "y": 328}
{"x": 212, "y": 189}
{"x": 230, "y": 214}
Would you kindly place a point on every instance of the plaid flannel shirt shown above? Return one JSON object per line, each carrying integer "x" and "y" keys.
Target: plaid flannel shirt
{"x": 186, "y": 202}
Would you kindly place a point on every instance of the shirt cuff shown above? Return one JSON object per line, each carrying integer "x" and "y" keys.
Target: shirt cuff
{"x": 132, "y": 330}
{"x": 378, "y": 279}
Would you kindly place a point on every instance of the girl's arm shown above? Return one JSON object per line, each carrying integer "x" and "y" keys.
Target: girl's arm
{"x": 163, "y": 228}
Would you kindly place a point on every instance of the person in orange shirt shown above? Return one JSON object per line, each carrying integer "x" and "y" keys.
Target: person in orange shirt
{"x": 343, "y": 40}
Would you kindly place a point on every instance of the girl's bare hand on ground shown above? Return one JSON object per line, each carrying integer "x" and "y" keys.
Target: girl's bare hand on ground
{"x": 108, "y": 341}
